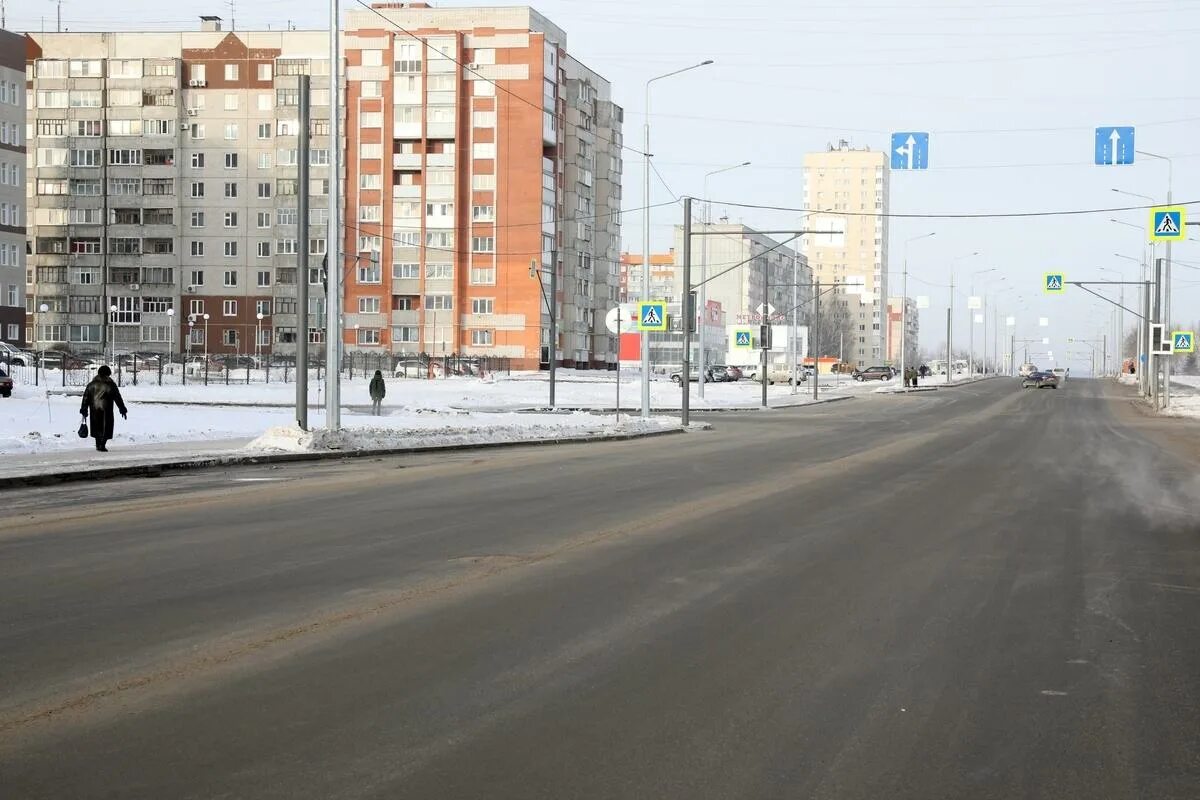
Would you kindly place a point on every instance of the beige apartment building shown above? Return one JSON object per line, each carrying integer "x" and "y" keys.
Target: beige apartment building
{"x": 481, "y": 156}
{"x": 12, "y": 189}
{"x": 846, "y": 193}
{"x": 163, "y": 184}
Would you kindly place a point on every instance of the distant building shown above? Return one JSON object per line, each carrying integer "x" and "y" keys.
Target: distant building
{"x": 663, "y": 277}
{"x": 12, "y": 190}
{"x": 846, "y": 189}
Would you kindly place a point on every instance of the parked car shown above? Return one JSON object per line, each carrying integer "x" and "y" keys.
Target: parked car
{"x": 414, "y": 367}
{"x": 15, "y": 356}
{"x": 779, "y": 373}
{"x": 709, "y": 376}
{"x": 1040, "y": 380}
{"x": 873, "y": 374}
{"x": 735, "y": 373}
{"x": 61, "y": 359}
{"x": 6, "y": 384}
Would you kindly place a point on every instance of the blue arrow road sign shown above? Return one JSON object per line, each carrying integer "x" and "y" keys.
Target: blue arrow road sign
{"x": 1114, "y": 145}
{"x": 910, "y": 150}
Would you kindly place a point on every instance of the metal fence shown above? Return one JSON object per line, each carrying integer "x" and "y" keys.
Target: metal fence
{"x": 246, "y": 370}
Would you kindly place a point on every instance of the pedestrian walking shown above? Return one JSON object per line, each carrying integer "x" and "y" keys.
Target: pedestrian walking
{"x": 378, "y": 390}
{"x": 99, "y": 397}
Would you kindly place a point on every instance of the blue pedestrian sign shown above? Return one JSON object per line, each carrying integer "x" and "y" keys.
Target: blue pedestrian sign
{"x": 1183, "y": 341}
{"x": 652, "y": 316}
{"x": 1168, "y": 223}
{"x": 1055, "y": 283}
{"x": 910, "y": 150}
{"x": 1114, "y": 146}
{"x": 741, "y": 338}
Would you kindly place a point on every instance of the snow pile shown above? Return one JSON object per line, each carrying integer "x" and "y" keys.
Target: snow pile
{"x": 1187, "y": 406}
{"x": 292, "y": 439}
{"x": 1127, "y": 380}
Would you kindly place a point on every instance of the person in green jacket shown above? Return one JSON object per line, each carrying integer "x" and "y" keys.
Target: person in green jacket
{"x": 378, "y": 390}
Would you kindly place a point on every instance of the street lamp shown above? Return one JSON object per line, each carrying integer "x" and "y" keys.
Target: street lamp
{"x": 206, "y": 344}
{"x": 1165, "y": 289}
{"x": 950, "y": 318}
{"x": 971, "y": 322}
{"x": 170, "y": 334}
{"x": 258, "y": 339}
{"x": 1118, "y": 317}
{"x": 112, "y": 332}
{"x": 41, "y": 344}
{"x": 703, "y": 296}
{"x": 646, "y": 236}
{"x": 904, "y": 303}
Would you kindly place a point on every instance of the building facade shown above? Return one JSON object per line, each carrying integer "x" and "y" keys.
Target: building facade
{"x": 12, "y": 189}
{"x": 480, "y": 156}
{"x": 897, "y": 318}
{"x": 846, "y": 192}
{"x": 163, "y": 188}
{"x": 662, "y": 277}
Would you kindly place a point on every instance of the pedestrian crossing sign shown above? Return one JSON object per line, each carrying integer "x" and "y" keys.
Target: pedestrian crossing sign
{"x": 1168, "y": 223}
{"x": 743, "y": 338}
{"x": 652, "y": 316}
{"x": 1055, "y": 283}
{"x": 1183, "y": 341}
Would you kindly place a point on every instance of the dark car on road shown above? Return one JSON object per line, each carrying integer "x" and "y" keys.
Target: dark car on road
{"x": 1040, "y": 380}
{"x": 6, "y": 384}
{"x": 873, "y": 374}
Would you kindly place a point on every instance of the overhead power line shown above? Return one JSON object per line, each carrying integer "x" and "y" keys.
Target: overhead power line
{"x": 969, "y": 215}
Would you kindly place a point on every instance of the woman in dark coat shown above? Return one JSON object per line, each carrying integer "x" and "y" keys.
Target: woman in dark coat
{"x": 99, "y": 398}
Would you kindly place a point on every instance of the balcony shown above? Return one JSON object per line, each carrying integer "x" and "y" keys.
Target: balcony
{"x": 409, "y": 161}
{"x": 441, "y": 130}
{"x": 439, "y": 192}
{"x": 406, "y": 317}
{"x": 406, "y": 192}
{"x": 440, "y": 159}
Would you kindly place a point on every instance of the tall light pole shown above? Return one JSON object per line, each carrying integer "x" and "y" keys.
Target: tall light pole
{"x": 1118, "y": 320}
{"x": 41, "y": 344}
{"x": 703, "y": 296}
{"x": 950, "y": 319}
{"x": 1165, "y": 289}
{"x": 206, "y": 344}
{"x": 112, "y": 337}
{"x": 971, "y": 321}
{"x": 258, "y": 339}
{"x": 1141, "y": 338}
{"x": 645, "y": 232}
{"x": 170, "y": 334}
{"x": 333, "y": 291}
{"x": 904, "y": 304}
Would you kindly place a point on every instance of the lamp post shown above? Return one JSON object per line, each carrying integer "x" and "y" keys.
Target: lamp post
{"x": 206, "y": 343}
{"x": 904, "y": 304}
{"x": 971, "y": 321}
{"x": 170, "y": 334}
{"x": 41, "y": 344}
{"x": 950, "y": 319}
{"x": 112, "y": 333}
{"x": 646, "y": 234}
{"x": 1165, "y": 289}
{"x": 1141, "y": 359}
{"x": 1118, "y": 319}
{"x": 258, "y": 339}
{"x": 703, "y": 296}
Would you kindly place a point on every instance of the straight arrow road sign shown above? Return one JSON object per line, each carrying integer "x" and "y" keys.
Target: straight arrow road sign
{"x": 1114, "y": 146}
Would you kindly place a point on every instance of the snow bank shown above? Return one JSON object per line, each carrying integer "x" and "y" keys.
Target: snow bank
{"x": 292, "y": 439}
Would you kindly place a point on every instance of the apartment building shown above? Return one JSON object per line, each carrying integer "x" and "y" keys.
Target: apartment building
{"x": 663, "y": 277}
{"x": 12, "y": 189}
{"x": 897, "y": 319}
{"x": 735, "y": 260}
{"x": 847, "y": 191}
{"x": 163, "y": 188}
{"x": 480, "y": 156}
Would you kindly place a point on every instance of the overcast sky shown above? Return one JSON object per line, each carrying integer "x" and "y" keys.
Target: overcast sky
{"x": 1010, "y": 91}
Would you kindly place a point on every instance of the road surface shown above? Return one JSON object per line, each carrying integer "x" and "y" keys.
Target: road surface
{"x": 979, "y": 592}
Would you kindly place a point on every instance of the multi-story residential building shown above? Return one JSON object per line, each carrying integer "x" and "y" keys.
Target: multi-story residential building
{"x": 897, "y": 318}
{"x": 12, "y": 189}
{"x": 846, "y": 190}
{"x": 480, "y": 156}
{"x": 663, "y": 278}
{"x": 733, "y": 258}
{"x": 163, "y": 187}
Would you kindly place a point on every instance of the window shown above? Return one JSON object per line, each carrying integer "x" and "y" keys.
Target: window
{"x": 156, "y": 333}
{"x": 372, "y": 58}
{"x": 262, "y": 307}
{"x": 439, "y": 302}
{"x": 481, "y": 338}
{"x": 264, "y": 189}
{"x": 439, "y": 271}
{"x": 370, "y": 89}
{"x": 263, "y": 219}
{"x": 404, "y": 302}
{"x": 197, "y": 160}
{"x": 368, "y": 244}
{"x": 86, "y": 158}
{"x": 369, "y": 272}
{"x": 197, "y": 219}
{"x": 231, "y": 251}
{"x": 84, "y": 334}
{"x": 483, "y": 183}
{"x": 483, "y": 213}
{"x": 197, "y": 249}
{"x": 156, "y": 305}
{"x": 406, "y": 271}
{"x": 229, "y": 308}
{"x": 197, "y": 189}
{"x": 370, "y": 213}
{"x": 482, "y": 305}
{"x": 231, "y": 72}
{"x": 230, "y": 276}
{"x": 286, "y": 157}
{"x": 285, "y": 247}
{"x": 483, "y": 276}
{"x": 195, "y": 308}
{"x": 264, "y": 160}
{"x": 405, "y": 335}
{"x": 287, "y": 97}
{"x": 264, "y": 278}
{"x": 368, "y": 305}
{"x": 264, "y": 130}
{"x": 483, "y": 244}
{"x": 484, "y": 119}
{"x": 231, "y": 160}
{"x": 197, "y": 278}
{"x": 229, "y": 337}
{"x": 368, "y": 336}
{"x": 197, "y": 73}
{"x": 231, "y": 102}
{"x": 371, "y": 119}
{"x": 231, "y": 189}
{"x": 197, "y": 131}
{"x": 318, "y": 157}
{"x": 264, "y": 249}
{"x": 264, "y": 72}
{"x": 483, "y": 150}
{"x": 369, "y": 181}
{"x": 231, "y": 131}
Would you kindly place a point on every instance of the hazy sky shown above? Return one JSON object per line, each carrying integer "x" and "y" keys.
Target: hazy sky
{"x": 1010, "y": 91}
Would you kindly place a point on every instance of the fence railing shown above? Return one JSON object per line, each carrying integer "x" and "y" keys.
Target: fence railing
{"x": 134, "y": 371}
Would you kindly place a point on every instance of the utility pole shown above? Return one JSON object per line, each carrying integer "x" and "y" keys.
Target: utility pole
{"x": 766, "y": 329}
{"x": 333, "y": 297}
{"x": 59, "y": 15}
{"x": 689, "y": 314}
{"x": 949, "y": 348}
{"x": 302, "y": 256}
{"x": 816, "y": 337}
{"x": 553, "y": 304}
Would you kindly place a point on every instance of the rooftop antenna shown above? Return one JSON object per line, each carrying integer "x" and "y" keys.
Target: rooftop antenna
{"x": 59, "y": 5}
{"x": 232, "y": 16}
{"x": 3, "y": 15}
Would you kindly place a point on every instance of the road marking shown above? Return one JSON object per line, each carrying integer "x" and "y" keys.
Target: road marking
{"x": 1053, "y": 693}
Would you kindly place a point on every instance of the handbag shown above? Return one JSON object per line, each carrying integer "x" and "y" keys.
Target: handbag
{"x": 83, "y": 430}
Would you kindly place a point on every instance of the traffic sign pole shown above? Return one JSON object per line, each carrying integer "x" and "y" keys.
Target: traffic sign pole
{"x": 688, "y": 313}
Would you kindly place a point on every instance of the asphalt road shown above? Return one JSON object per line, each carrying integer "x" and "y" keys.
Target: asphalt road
{"x": 974, "y": 593}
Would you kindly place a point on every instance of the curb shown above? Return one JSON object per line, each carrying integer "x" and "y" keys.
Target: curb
{"x": 157, "y": 469}
{"x": 672, "y": 411}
